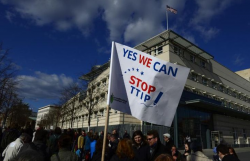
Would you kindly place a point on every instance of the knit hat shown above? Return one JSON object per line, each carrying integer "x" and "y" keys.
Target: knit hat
{"x": 166, "y": 135}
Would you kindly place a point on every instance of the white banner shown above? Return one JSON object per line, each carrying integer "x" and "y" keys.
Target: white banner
{"x": 144, "y": 86}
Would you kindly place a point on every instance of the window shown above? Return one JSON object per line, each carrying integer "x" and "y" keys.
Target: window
{"x": 101, "y": 113}
{"x": 194, "y": 77}
{"x": 244, "y": 133}
{"x": 204, "y": 81}
{"x": 159, "y": 50}
{"x": 214, "y": 85}
{"x": 192, "y": 58}
{"x": 203, "y": 63}
{"x": 221, "y": 88}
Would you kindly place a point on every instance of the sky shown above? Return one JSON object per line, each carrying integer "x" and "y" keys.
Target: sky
{"x": 53, "y": 42}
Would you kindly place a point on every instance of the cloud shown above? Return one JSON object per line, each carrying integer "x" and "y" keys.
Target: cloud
{"x": 42, "y": 85}
{"x": 125, "y": 20}
{"x": 10, "y": 15}
{"x": 238, "y": 60}
{"x": 207, "y": 10}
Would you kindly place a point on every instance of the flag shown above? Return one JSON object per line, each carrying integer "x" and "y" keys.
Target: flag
{"x": 172, "y": 9}
{"x": 144, "y": 86}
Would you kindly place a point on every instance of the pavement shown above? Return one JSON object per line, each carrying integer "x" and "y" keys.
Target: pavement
{"x": 243, "y": 153}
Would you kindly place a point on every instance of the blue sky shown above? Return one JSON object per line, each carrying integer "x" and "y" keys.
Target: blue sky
{"x": 53, "y": 42}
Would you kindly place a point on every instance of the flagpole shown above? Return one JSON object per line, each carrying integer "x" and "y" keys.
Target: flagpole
{"x": 167, "y": 18}
{"x": 105, "y": 133}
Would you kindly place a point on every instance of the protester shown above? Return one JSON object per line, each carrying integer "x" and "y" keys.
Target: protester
{"x": 168, "y": 142}
{"x": 93, "y": 143}
{"x": 64, "y": 153}
{"x": 88, "y": 138}
{"x": 114, "y": 132}
{"x": 9, "y": 136}
{"x": 175, "y": 153}
{"x": 28, "y": 155}
{"x": 39, "y": 145}
{"x": 80, "y": 144}
{"x": 223, "y": 152}
{"x": 187, "y": 151}
{"x": 155, "y": 147}
{"x": 53, "y": 141}
{"x": 12, "y": 150}
{"x": 232, "y": 152}
{"x": 124, "y": 151}
{"x": 126, "y": 135}
{"x": 197, "y": 154}
{"x": 113, "y": 145}
{"x": 164, "y": 157}
{"x": 139, "y": 145}
{"x": 97, "y": 155}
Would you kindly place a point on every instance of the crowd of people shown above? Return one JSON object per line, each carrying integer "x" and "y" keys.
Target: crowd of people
{"x": 78, "y": 145}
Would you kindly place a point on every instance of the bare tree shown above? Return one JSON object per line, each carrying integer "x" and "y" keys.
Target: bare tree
{"x": 69, "y": 98}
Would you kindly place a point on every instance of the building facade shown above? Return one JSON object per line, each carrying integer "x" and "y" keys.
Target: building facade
{"x": 42, "y": 114}
{"x": 214, "y": 107}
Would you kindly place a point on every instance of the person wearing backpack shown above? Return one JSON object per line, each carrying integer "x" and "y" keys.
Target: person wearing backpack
{"x": 53, "y": 141}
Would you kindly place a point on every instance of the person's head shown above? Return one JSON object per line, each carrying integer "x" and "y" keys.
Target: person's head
{"x": 101, "y": 132}
{"x": 196, "y": 146}
{"x": 112, "y": 137}
{"x": 222, "y": 150}
{"x": 187, "y": 147}
{"x": 173, "y": 148}
{"x": 124, "y": 149}
{"x": 95, "y": 137}
{"x": 114, "y": 131}
{"x": 64, "y": 141}
{"x": 166, "y": 137}
{"x": 231, "y": 150}
{"x": 125, "y": 131}
{"x": 41, "y": 135}
{"x": 137, "y": 137}
{"x": 58, "y": 131}
{"x": 83, "y": 132}
{"x": 152, "y": 137}
{"x": 164, "y": 157}
{"x": 26, "y": 138}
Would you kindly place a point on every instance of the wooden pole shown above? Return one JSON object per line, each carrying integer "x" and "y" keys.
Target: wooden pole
{"x": 105, "y": 133}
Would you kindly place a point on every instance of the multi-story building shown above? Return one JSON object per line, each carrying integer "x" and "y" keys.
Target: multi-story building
{"x": 214, "y": 106}
{"x": 42, "y": 114}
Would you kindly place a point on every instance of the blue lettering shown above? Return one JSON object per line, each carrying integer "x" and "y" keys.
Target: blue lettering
{"x": 138, "y": 91}
{"x": 132, "y": 89}
{"x": 147, "y": 97}
{"x": 172, "y": 71}
{"x": 134, "y": 54}
{"x": 155, "y": 65}
{"x": 130, "y": 54}
{"x": 163, "y": 68}
{"x": 125, "y": 52}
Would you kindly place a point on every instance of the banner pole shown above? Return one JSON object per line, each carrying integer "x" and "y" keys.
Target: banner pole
{"x": 105, "y": 133}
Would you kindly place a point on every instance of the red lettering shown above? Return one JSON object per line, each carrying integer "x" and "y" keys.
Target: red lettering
{"x": 132, "y": 81}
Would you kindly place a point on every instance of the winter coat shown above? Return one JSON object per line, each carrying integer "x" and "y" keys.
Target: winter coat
{"x": 230, "y": 158}
{"x": 12, "y": 149}
{"x": 80, "y": 142}
{"x": 116, "y": 158}
{"x": 159, "y": 149}
{"x": 64, "y": 155}
{"x": 169, "y": 145}
{"x": 198, "y": 156}
{"x": 140, "y": 152}
{"x": 87, "y": 143}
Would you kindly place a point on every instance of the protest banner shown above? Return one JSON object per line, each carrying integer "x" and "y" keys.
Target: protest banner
{"x": 144, "y": 86}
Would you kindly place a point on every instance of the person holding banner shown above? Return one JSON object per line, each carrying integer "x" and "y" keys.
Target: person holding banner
{"x": 139, "y": 145}
{"x": 155, "y": 147}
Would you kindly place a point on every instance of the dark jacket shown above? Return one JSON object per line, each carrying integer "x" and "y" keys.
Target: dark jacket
{"x": 158, "y": 149}
{"x": 140, "y": 152}
{"x": 116, "y": 158}
{"x": 169, "y": 145}
{"x": 230, "y": 158}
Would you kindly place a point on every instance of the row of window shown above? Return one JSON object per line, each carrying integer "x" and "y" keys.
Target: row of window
{"x": 229, "y": 104}
{"x": 220, "y": 87}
